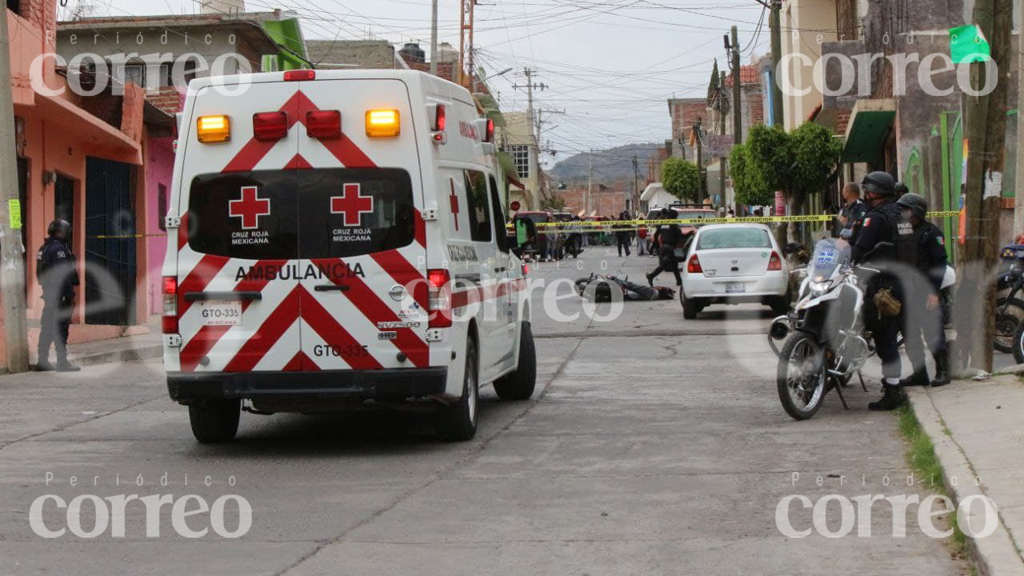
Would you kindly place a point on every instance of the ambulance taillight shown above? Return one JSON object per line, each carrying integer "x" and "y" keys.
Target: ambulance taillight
{"x": 269, "y": 126}
{"x": 169, "y": 320}
{"x": 440, "y": 118}
{"x": 299, "y": 75}
{"x": 323, "y": 124}
{"x": 439, "y": 301}
{"x": 489, "y": 136}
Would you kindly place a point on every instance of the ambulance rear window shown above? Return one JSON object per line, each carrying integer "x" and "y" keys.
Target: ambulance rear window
{"x": 288, "y": 214}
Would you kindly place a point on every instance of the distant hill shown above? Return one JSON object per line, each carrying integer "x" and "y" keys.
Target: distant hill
{"x": 610, "y": 165}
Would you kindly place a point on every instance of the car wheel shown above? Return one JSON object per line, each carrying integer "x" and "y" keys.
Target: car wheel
{"x": 690, "y": 308}
{"x": 214, "y": 421}
{"x": 456, "y": 422}
{"x": 519, "y": 385}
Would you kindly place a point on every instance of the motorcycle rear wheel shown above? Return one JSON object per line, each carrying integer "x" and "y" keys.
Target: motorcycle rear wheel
{"x": 1008, "y": 318}
{"x": 801, "y": 376}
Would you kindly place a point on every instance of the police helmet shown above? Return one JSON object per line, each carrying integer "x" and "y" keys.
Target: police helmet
{"x": 915, "y": 203}
{"x": 59, "y": 227}
{"x": 879, "y": 183}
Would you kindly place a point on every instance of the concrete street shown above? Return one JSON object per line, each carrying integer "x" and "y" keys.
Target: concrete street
{"x": 654, "y": 445}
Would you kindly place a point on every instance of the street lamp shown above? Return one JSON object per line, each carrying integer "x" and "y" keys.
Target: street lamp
{"x": 495, "y": 75}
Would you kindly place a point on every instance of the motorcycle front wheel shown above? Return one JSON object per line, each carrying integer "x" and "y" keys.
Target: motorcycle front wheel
{"x": 801, "y": 376}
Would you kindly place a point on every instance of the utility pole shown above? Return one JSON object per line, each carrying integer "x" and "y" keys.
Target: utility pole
{"x": 636, "y": 185}
{"x": 12, "y": 266}
{"x": 737, "y": 102}
{"x": 700, "y": 161}
{"x": 986, "y": 133}
{"x": 433, "y": 38}
{"x": 530, "y": 85}
{"x": 466, "y": 42}
{"x": 590, "y": 182}
{"x": 1018, "y": 199}
{"x": 775, "y": 24}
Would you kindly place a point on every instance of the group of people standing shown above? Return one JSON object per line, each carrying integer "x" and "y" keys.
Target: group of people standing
{"x": 888, "y": 231}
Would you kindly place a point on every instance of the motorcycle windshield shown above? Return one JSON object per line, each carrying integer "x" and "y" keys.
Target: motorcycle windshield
{"x": 828, "y": 255}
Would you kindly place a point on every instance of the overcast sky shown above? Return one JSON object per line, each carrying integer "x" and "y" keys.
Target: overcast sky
{"x": 609, "y": 64}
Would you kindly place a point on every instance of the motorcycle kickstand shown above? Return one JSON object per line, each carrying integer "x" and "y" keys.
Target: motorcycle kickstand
{"x": 862, "y": 384}
{"x": 839, "y": 390}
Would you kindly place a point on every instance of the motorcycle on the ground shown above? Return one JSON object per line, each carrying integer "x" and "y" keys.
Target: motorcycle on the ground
{"x": 827, "y": 344}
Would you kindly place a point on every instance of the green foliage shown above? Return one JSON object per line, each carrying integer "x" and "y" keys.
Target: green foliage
{"x": 679, "y": 178}
{"x": 799, "y": 163}
{"x": 816, "y": 154}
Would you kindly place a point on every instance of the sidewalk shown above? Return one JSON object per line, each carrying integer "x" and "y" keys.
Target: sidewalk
{"x": 124, "y": 349}
{"x": 977, "y": 431}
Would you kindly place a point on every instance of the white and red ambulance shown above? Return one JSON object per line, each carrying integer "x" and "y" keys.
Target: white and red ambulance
{"x": 337, "y": 241}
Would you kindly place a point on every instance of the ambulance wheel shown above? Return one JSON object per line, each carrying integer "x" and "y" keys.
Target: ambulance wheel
{"x": 457, "y": 422}
{"x": 519, "y": 385}
{"x": 214, "y": 421}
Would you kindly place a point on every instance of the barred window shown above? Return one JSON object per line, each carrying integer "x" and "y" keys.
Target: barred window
{"x": 521, "y": 157}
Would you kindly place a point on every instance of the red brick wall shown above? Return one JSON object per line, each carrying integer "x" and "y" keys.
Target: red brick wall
{"x": 131, "y": 111}
{"x": 683, "y": 116}
{"x": 606, "y": 203}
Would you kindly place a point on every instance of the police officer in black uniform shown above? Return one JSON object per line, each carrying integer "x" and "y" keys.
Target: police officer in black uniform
{"x": 668, "y": 237}
{"x": 885, "y": 222}
{"x": 925, "y": 312}
{"x": 55, "y": 270}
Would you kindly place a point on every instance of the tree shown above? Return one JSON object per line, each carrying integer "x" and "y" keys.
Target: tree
{"x": 816, "y": 155}
{"x": 679, "y": 178}
{"x": 751, "y": 188}
{"x": 554, "y": 203}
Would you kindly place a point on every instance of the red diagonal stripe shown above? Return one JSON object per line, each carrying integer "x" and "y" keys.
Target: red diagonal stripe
{"x": 183, "y": 232}
{"x": 199, "y": 278}
{"x": 262, "y": 340}
{"x": 404, "y": 273}
{"x": 375, "y": 310}
{"x": 421, "y": 229}
{"x": 299, "y": 362}
{"x": 348, "y": 153}
{"x": 249, "y": 156}
{"x": 321, "y": 321}
{"x": 199, "y": 346}
{"x": 298, "y": 163}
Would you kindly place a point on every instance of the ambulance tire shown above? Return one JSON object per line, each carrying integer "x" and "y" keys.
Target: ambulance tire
{"x": 519, "y": 385}
{"x": 457, "y": 422}
{"x": 214, "y": 421}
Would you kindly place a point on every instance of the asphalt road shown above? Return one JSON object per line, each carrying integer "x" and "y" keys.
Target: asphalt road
{"x": 653, "y": 446}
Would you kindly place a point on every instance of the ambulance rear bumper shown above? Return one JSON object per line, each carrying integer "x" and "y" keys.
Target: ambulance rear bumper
{"x": 394, "y": 384}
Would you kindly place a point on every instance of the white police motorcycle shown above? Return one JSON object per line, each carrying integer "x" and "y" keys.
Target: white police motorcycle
{"x": 825, "y": 342}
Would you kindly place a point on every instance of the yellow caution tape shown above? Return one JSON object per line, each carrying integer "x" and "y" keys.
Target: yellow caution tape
{"x": 582, "y": 225}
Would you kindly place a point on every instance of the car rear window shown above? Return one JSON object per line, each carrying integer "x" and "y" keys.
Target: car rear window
{"x": 733, "y": 238}
{"x": 286, "y": 214}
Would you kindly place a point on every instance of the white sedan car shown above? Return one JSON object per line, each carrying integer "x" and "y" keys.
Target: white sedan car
{"x": 731, "y": 264}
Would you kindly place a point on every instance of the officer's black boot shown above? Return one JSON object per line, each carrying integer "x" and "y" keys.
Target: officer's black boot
{"x": 918, "y": 378}
{"x": 650, "y": 280}
{"x": 893, "y": 398}
{"x": 941, "y": 369}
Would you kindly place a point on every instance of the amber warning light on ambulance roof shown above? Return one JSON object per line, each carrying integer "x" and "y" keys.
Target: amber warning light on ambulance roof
{"x": 383, "y": 123}
{"x": 213, "y": 129}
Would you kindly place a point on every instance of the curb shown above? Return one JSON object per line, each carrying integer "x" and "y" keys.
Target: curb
{"x": 139, "y": 354}
{"x": 995, "y": 555}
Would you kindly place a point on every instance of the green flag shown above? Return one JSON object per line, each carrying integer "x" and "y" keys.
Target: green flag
{"x": 968, "y": 44}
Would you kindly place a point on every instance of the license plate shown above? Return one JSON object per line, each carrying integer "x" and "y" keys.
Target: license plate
{"x": 221, "y": 313}
{"x": 735, "y": 287}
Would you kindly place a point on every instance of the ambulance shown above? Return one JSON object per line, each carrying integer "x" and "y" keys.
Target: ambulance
{"x": 337, "y": 241}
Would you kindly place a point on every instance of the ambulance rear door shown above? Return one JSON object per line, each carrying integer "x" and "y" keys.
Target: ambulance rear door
{"x": 361, "y": 232}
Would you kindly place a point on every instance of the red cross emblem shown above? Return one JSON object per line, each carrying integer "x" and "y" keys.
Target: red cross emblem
{"x": 454, "y": 203}
{"x": 249, "y": 208}
{"x": 352, "y": 204}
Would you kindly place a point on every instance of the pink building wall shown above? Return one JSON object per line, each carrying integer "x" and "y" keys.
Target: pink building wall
{"x": 159, "y": 166}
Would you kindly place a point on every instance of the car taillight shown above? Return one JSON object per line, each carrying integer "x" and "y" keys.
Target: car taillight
{"x": 323, "y": 124}
{"x": 170, "y": 316}
{"x": 269, "y": 126}
{"x": 439, "y": 299}
{"x": 774, "y": 263}
{"x": 693, "y": 266}
{"x": 526, "y": 269}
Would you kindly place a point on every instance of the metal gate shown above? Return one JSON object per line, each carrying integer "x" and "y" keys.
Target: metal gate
{"x": 110, "y": 255}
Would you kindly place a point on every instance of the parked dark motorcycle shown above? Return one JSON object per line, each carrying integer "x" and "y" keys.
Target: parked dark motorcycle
{"x": 1009, "y": 309}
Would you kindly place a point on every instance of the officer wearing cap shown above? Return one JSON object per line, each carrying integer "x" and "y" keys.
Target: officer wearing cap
{"x": 925, "y": 312}
{"x": 884, "y": 222}
{"x": 55, "y": 270}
